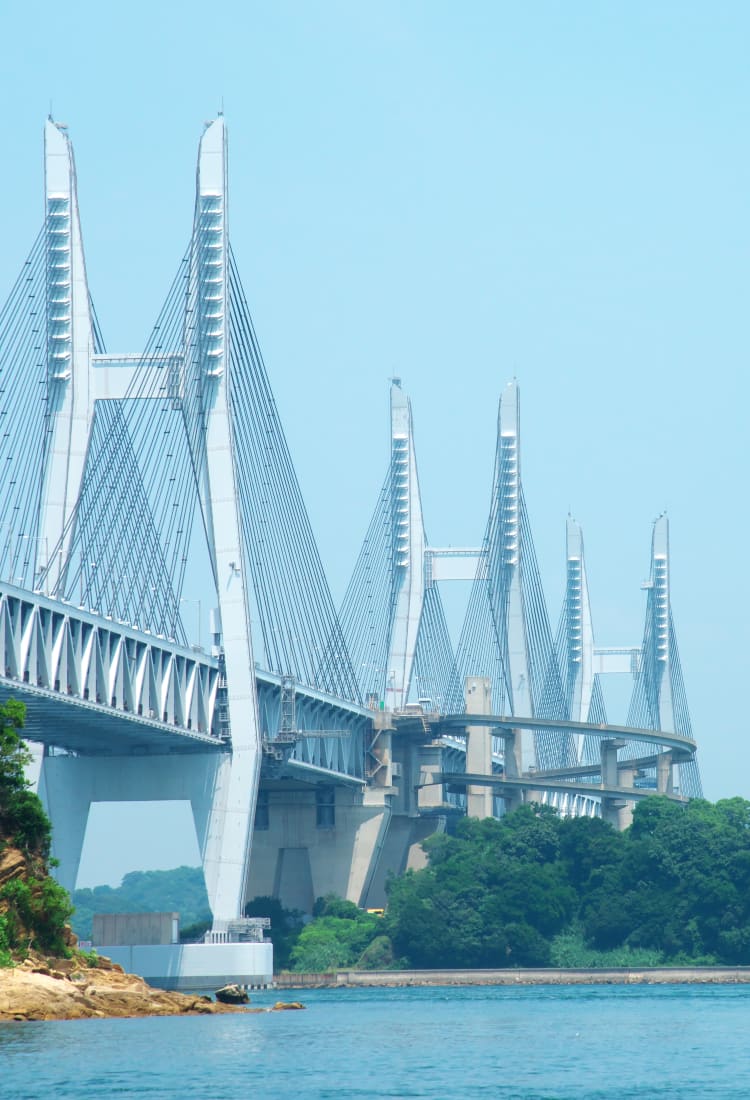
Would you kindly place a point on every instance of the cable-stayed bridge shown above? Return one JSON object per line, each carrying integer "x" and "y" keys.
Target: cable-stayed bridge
{"x": 316, "y": 747}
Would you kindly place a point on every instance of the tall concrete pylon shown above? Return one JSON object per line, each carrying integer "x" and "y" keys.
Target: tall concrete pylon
{"x": 408, "y": 549}
{"x": 579, "y": 627}
{"x": 660, "y": 612}
{"x": 580, "y": 664}
{"x": 505, "y": 564}
{"x": 70, "y": 347}
{"x": 221, "y": 787}
{"x": 227, "y": 857}
{"x": 659, "y": 700}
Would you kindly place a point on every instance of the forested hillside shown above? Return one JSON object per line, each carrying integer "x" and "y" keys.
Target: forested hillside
{"x": 534, "y": 889}
{"x": 531, "y": 889}
{"x": 181, "y": 890}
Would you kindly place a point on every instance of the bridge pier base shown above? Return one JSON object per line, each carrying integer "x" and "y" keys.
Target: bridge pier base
{"x": 616, "y": 811}
{"x": 315, "y": 840}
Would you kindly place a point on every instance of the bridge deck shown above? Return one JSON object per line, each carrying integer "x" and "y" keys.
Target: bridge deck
{"x": 604, "y": 732}
{"x": 76, "y": 725}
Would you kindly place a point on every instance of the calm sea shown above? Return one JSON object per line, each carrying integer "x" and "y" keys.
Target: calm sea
{"x": 546, "y": 1042}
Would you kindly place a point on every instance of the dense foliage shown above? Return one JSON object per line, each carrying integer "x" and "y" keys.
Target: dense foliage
{"x": 534, "y": 889}
{"x": 531, "y": 889}
{"x": 34, "y": 909}
{"x": 286, "y": 925}
{"x": 336, "y": 938}
{"x": 181, "y": 890}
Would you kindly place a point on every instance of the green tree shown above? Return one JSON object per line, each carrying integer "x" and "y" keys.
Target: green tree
{"x": 182, "y": 890}
{"x": 492, "y": 896}
{"x": 337, "y": 937}
{"x": 286, "y": 925}
{"x": 34, "y": 909}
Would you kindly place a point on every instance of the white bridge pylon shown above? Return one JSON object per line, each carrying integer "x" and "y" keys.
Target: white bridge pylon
{"x": 409, "y": 542}
{"x": 77, "y": 377}
{"x": 415, "y": 569}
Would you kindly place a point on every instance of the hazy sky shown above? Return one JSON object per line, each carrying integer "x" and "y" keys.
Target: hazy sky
{"x": 456, "y": 194}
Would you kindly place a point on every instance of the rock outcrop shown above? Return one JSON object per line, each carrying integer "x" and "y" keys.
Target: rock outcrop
{"x": 68, "y": 989}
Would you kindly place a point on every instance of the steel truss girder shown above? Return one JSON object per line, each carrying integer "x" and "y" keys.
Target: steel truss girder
{"x": 62, "y": 649}
{"x": 53, "y": 649}
{"x": 342, "y": 755}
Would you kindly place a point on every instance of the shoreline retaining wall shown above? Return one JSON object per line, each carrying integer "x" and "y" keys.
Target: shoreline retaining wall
{"x": 659, "y": 975}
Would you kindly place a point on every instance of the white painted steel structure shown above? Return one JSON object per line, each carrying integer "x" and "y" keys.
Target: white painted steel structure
{"x": 50, "y": 647}
{"x": 74, "y": 385}
{"x": 70, "y": 346}
{"x": 409, "y": 542}
{"x": 508, "y": 488}
{"x": 129, "y": 714}
{"x": 659, "y": 583}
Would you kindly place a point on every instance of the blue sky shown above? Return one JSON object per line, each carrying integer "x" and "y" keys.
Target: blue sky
{"x": 455, "y": 194}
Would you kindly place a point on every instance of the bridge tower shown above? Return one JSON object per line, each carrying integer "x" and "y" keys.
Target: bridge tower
{"x": 392, "y": 615}
{"x": 659, "y": 701}
{"x": 222, "y": 788}
{"x": 579, "y": 629}
{"x": 70, "y": 344}
{"x": 506, "y": 634}
{"x": 409, "y": 542}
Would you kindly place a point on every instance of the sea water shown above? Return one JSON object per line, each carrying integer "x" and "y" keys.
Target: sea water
{"x": 526, "y": 1043}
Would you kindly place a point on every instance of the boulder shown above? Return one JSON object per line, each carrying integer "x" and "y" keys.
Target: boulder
{"x": 232, "y": 995}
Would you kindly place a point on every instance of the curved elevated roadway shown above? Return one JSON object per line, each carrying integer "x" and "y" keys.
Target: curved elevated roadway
{"x": 683, "y": 746}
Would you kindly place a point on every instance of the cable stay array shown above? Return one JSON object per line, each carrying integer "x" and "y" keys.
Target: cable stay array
{"x": 517, "y": 654}
{"x": 129, "y": 538}
{"x": 366, "y": 610}
{"x": 133, "y": 526}
{"x": 23, "y": 416}
{"x": 434, "y": 661}
{"x": 298, "y": 628}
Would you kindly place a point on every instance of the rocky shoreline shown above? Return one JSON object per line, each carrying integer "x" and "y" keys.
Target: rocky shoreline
{"x": 70, "y": 989}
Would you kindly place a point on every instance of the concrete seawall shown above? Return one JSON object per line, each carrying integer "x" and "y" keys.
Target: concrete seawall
{"x": 661, "y": 975}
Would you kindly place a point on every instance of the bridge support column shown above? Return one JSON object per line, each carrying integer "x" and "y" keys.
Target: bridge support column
{"x": 625, "y": 812}
{"x": 430, "y": 793}
{"x": 67, "y": 800}
{"x": 611, "y": 807}
{"x": 513, "y": 763}
{"x": 664, "y": 777}
{"x": 380, "y": 770}
{"x": 478, "y": 698}
{"x": 69, "y": 784}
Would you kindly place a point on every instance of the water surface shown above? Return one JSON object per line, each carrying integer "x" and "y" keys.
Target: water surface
{"x": 529, "y": 1043}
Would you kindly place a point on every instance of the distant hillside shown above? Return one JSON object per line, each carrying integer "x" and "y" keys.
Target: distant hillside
{"x": 182, "y": 890}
